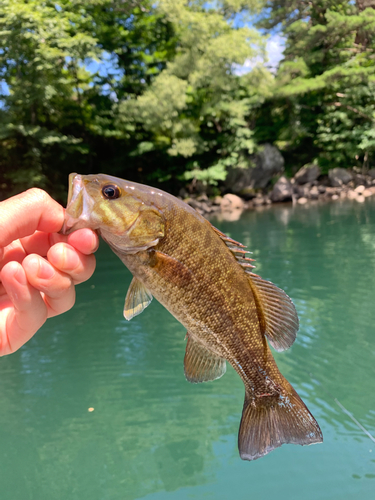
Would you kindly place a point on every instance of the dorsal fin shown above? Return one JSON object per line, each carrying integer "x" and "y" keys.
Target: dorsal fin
{"x": 278, "y": 312}
{"x": 237, "y": 250}
{"x": 277, "y": 309}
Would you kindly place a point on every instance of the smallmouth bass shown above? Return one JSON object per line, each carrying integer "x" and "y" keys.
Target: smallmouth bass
{"x": 205, "y": 279}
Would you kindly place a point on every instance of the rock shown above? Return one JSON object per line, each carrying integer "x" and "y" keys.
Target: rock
{"x": 282, "y": 190}
{"x": 359, "y": 179}
{"x": 267, "y": 201}
{"x": 339, "y": 176}
{"x": 248, "y": 193}
{"x": 330, "y": 191}
{"x": 308, "y": 173}
{"x": 367, "y": 192}
{"x": 360, "y": 198}
{"x": 217, "y": 200}
{"x": 321, "y": 189}
{"x": 302, "y": 201}
{"x": 268, "y": 163}
{"x": 352, "y": 194}
{"x": 205, "y": 207}
{"x": 371, "y": 173}
{"x": 359, "y": 189}
{"x": 314, "y": 193}
{"x": 183, "y": 194}
{"x": 301, "y": 191}
{"x": 202, "y": 197}
{"x": 258, "y": 201}
{"x": 231, "y": 202}
{"x": 231, "y": 215}
{"x": 193, "y": 203}
{"x": 335, "y": 197}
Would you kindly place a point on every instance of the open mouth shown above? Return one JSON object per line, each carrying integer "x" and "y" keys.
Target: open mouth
{"x": 75, "y": 205}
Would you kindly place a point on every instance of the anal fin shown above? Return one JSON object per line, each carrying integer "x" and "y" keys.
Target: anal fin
{"x": 137, "y": 299}
{"x": 200, "y": 364}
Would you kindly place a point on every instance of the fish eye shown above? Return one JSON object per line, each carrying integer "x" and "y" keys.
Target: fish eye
{"x": 111, "y": 192}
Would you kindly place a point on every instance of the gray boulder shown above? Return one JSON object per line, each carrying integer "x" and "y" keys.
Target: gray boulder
{"x": 308, "y": 173}
{"x": 282, "y": 190}
{"x": 339, "y": 176}
{"x": 268, "y": 163}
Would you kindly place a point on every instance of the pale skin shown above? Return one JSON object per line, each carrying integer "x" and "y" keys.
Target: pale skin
{"x": 39, "y": 268}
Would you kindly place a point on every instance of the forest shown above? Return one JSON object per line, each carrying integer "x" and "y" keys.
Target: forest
{"x": 170, "y": 92}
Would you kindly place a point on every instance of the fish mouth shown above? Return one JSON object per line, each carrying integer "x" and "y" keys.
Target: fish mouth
{"x": 77, "y": 213}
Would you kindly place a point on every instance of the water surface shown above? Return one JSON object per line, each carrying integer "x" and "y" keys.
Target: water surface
{"x": 152, "y": 435}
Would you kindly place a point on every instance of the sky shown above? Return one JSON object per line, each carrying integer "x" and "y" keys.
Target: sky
{"x": 274, "y": 47}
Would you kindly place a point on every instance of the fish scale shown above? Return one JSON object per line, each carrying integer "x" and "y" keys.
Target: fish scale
{"x": 204, "y": 279}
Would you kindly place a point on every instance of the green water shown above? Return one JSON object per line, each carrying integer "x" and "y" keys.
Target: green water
{"x": 153, "y": 435}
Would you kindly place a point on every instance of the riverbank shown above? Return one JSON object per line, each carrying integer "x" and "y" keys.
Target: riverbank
{"x": 307, "y": 186}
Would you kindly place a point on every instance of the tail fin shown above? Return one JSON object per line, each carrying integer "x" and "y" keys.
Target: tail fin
{"x": 268, "y": 422}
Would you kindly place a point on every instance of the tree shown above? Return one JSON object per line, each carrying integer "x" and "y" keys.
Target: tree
{"x": 138, "y": 89}
{"x": 324, "y": 96}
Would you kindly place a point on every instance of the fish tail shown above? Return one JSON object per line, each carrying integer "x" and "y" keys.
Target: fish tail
{"x": 268, "y": 421}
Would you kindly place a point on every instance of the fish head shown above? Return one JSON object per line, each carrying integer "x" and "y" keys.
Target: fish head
{"x": 121, "y": 211}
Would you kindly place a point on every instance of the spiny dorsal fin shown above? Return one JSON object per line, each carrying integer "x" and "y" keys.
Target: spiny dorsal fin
{"x": 278, "y": 311}
{"x": 200, "y": 364}
{"x": 137, "y": 299}
{"x": 237, "y": 250}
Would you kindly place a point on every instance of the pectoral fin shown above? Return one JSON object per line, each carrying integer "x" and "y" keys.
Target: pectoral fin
{"x": 137, "y": 299}
{"x": 200, "y": 364}
{"x": 277, "y": 313}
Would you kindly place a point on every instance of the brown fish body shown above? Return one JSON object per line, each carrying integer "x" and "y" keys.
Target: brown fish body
{"x": 204, "y": 279}
{"x": 206, "y": 290}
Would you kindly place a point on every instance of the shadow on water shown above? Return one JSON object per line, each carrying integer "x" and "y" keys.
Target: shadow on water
{"x": 151, "y": 434}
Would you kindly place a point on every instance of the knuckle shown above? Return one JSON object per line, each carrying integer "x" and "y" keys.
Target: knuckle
{"x": 61, "y": 305}
{"x": 37, "y": 194}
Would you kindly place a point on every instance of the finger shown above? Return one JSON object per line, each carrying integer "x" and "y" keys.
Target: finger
{"x": 39, "y": 242}
{"x": 14, "y": 251}
{"x": 84, "y": 240}
{"x": 76, "y": 265}
{"x": 25, "y": 308}
{"x": 57, "y": 288}
{"x": 28, "y": 212}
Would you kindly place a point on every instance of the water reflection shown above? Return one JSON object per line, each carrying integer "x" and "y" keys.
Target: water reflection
{"x": 151, "y": 434}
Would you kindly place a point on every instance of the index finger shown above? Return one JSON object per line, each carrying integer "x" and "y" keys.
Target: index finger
{"x": 28, "y": 212}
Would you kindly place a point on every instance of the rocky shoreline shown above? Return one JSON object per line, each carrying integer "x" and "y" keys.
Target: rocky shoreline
{"x": 306, "y": 186}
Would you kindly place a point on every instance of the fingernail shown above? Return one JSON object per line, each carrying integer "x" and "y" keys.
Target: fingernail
{"x": 46, "y": 271}
{"x": 94, "y": 243}
{"x": 71, "y": 259}
{"x": 21, "y": 276}
{"x": 41, "y": 268}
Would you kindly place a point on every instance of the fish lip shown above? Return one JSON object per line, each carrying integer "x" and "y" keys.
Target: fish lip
{"x": 78, "y": 208}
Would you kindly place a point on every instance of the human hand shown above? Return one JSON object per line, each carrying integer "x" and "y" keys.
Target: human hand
{"x": 38, "y": 267}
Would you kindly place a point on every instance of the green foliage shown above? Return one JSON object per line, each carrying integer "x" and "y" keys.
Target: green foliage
{"x": 140, "y": 89}
{"x": 149, "y": 90}
{"x": 324, "y": 89}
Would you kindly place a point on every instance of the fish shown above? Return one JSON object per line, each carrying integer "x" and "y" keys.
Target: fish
{"x": 205, "y": 279}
